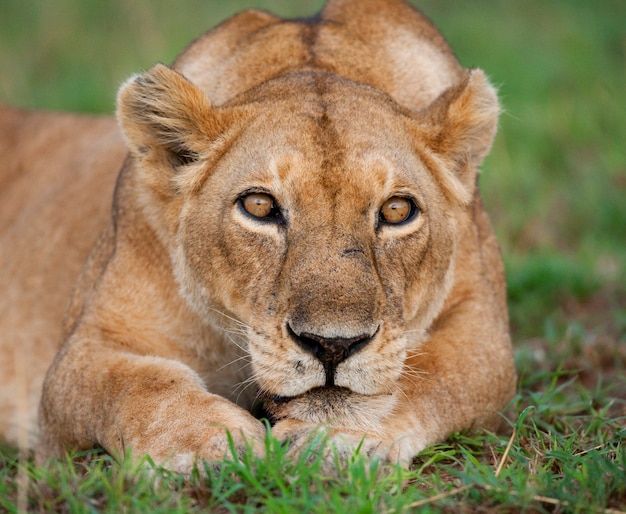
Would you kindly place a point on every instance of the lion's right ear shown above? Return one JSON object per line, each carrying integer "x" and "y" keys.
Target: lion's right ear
{"x": 166, "y": 120}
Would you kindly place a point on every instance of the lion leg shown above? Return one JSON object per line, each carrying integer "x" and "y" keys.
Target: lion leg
{"x": 460, "y": 378}
{"x": 98, "y": 396}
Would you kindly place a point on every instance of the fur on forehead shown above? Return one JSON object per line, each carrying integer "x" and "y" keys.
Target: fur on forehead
{"x": 165, "y": 115}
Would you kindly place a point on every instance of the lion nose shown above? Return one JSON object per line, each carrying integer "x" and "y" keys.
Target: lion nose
{"x": 330, "y": 351}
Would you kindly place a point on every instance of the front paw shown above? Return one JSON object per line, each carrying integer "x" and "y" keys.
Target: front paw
{"x": 333, "y": 445}
{"x": 179, "y": 445}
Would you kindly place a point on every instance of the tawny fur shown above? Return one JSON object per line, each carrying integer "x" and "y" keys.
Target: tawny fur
{"x": 181, "y": 316}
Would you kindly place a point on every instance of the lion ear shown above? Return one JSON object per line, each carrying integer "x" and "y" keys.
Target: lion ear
{"x": 165, "y": 118}
{"x": 459, "y": 128}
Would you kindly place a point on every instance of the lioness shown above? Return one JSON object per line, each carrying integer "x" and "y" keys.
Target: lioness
{"x": 296, "y": 223}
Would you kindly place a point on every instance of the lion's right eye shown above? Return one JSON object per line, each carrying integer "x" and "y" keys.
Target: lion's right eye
{"x": 260, "y": 205}
{"x": 397, "y": 210}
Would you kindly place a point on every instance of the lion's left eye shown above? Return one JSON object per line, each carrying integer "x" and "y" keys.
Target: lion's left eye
{"x": 260, "y": 205}
{"x": 397, "y": 210}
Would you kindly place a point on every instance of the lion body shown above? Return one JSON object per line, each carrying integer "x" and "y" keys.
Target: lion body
{"x": 185, "y": 307}
{"x": 56, "y": 185}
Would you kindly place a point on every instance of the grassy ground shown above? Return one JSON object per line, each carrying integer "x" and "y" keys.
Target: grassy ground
{"x": 555, "y": 185}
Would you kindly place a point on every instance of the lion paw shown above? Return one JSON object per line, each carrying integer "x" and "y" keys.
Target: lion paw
{"x": 335, "y": 446}
{"x": 182, "y": 448}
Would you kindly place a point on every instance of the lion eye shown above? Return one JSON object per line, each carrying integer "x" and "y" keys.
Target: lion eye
{"x": 396, "y": 210}
{"x": 260, "y": 205}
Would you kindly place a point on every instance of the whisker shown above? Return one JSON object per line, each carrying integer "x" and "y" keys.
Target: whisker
{"x": 402, "y": 392}
{"x": 234, "y": 361}
{"x": 244, "y": 383}
{"x": 242, "y": 334}
{"x": 240, "y": 345}
{"x": 414, "y": 330}
{"x": 242, "y": 386}
{"x": 237, "y": 322}
{"x": 414, "y": 374}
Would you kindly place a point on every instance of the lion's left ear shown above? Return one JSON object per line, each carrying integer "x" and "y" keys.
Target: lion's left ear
{"x": 458, "y": 129}
{"x": 167, "y": 121}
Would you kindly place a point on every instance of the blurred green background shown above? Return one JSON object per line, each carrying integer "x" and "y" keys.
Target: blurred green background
{"x": 555, "y": 182}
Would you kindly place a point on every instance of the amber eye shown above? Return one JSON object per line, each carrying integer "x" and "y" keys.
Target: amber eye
{"x": 260, "y": 205}
{"x": 396, "y": 210}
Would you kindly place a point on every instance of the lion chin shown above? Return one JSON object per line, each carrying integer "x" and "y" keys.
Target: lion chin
{"x": 330, "y": 405}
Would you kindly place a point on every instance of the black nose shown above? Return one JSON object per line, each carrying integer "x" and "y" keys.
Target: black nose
{"x": 330, "y": 351}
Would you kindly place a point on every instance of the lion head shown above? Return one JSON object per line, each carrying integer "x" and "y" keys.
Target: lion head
{"x": 318, "y": 214}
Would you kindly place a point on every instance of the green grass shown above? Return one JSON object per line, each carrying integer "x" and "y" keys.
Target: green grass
{"x": 563, "y": 454}
{"x": 555, "y": 185}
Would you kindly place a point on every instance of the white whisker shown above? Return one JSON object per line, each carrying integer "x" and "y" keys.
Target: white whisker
{"x": 245, "y": 358}
{"x": 240, "y": 345}
{"x": 242, "y": 386}
{"x": 238, "y": 323}
{"x": 401, "y": 391}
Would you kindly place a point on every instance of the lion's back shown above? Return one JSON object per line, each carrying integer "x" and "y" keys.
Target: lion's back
{"x": 57, "y": 176}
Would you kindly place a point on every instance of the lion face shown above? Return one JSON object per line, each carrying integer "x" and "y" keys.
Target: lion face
{"x": 316, "y": 213}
